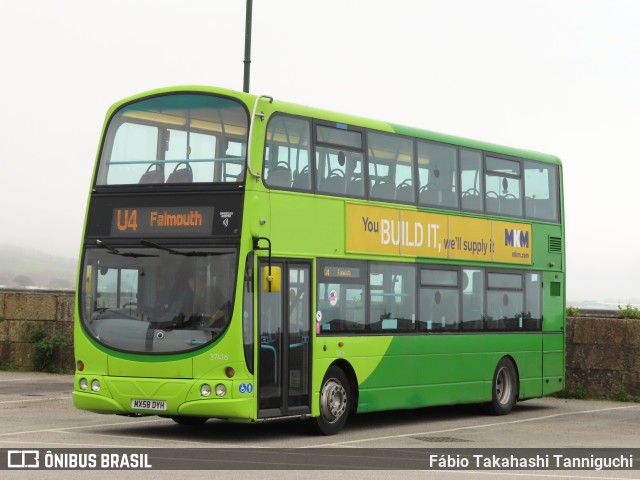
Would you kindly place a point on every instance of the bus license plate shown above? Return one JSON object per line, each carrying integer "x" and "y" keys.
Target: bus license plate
{"x": 149, "y": 404}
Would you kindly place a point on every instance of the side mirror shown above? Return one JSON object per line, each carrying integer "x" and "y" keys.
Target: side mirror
{"x": 271, "y": 282}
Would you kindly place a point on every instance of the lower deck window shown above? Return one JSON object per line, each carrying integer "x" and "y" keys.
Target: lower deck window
{"x": 392, "y": 304}
{"x": 341, "y": 297}
{"x": 391, "y": 298}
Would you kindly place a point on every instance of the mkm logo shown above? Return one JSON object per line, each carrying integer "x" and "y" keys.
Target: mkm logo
{"x": 516, "y": 238}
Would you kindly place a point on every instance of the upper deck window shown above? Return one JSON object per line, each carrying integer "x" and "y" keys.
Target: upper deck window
{"x": 541, "y": 191}
{"x": 349, "y": 161}
{"x": 187, "y": 138}
{"x": 391, "y": 168}
{"x": 339, "y": 159}
{"x": 438, "y": 175}
{"x": 503, "y": 181}
{"x": 471, "y": 180}
{"x": 286, "y": 158}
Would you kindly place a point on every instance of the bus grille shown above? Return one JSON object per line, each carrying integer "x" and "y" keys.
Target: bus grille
{"x": 555, "y": 245}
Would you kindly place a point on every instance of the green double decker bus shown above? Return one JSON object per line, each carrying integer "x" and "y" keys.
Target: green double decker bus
{"x": 249, "y": 259}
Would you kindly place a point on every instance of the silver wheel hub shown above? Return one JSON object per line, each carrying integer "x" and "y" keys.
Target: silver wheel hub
{"x": 504, "y": 385}
{"x": 333, "y": 400}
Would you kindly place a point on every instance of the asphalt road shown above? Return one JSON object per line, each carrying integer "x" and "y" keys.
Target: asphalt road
{"x": 36, "y": 412}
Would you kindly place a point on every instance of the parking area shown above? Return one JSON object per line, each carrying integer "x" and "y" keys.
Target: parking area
{"x": 36, "y": 411}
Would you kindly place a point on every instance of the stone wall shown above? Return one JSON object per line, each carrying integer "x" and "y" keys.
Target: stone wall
{"x": 603, "y": 353}
{"x": 23, "y": 310}
{"x": 603, "y": 356}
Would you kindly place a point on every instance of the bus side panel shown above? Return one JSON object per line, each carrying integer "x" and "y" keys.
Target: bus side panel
{"x": 553, "y": 361}
{"x": 94, "y": 359}
{"x": 320, "y": 230}
{"x": 553, "y": 326}
{"x": 445, "y": 369}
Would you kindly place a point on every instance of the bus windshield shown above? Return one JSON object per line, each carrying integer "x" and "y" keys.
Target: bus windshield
{"x": 175, "y": 139}
{"x": 155, "y": 299}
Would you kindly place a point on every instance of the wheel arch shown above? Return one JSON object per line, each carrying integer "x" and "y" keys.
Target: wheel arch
{"x": 348, "y": 370}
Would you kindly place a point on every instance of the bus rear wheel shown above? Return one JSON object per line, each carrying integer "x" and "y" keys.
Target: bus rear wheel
{"x": 335, "y": 398}
{"x": 504, "y": 389}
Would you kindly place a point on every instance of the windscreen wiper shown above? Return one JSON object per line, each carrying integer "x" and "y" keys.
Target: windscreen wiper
{"x": 193, "y": 253}
{"x": 115, "y": 251}
{"x": 147, "y": 243}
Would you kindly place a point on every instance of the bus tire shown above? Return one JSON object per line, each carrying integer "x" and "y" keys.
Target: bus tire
{"x": 190, "y": 421}
{"x": 504, "y": 388}
{"x": 335, "y": 398}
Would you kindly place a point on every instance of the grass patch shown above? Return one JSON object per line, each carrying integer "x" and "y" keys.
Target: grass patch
{"x": 45, "y": 347}
{"x": 577, "y": 393}
{"x": 625, "y": 397}
{"x": 573, "y": 311}
{"x": 628, "y": 312}
{"x": 8, "y": 367}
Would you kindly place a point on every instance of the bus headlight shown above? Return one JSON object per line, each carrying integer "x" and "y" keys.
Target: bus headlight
{"x": 83, "y": 384}
{"x": 95, "y": 385}
{"x": 221, "y": 390}
{"x": 205, "y": 390}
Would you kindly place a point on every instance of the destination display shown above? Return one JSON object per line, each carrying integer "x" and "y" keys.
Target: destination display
{"x": 173, "y": 221}
{"x": 131, "y": 216}
{"x": 423, "y": 234}
{"x": 341, "y": 272}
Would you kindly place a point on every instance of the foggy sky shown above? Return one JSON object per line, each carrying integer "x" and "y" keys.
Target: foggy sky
{"x": 561, "y": 77}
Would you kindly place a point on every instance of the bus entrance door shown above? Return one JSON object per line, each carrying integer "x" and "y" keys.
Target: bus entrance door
{"x": 284, "y": 326}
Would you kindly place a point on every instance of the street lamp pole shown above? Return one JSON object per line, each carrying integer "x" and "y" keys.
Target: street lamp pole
{"x": 247, "y": 46}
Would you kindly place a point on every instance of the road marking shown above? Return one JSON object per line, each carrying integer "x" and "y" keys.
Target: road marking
{"x": 472, "y": 427}
{"x": 128, "y": 437}
{"x": 82, "y": 426}
{"x": 66, "y": 444}
{"x": 107, "y": 445}
{"x": 191, "y": 442}
{"x": 34, "y": 400}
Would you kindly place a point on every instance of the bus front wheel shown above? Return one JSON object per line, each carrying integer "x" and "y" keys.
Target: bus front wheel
{"x": 335, "y": 398}
{"x": 504, "y": 389}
